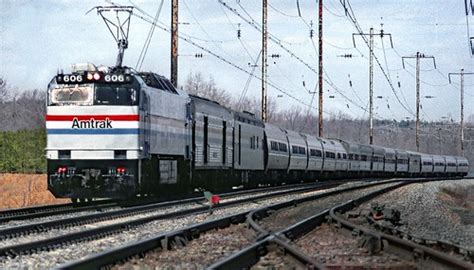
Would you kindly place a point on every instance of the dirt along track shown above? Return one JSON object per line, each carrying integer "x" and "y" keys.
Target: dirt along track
{"x": 22, "y": 190}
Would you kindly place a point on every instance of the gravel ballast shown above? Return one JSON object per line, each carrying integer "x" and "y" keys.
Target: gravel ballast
{"x": 288, "y": 216}
{"x": 336, "y": 250}
{"x": 199, "y": 253}
{"x": 77, "y": 251}
{"x": 442, "y": 210}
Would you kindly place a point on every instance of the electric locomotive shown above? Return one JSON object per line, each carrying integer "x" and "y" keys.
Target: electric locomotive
{"x": 99, "y": 123}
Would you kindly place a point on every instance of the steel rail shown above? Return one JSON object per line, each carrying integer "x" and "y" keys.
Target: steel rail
{"x": 95, "y": 233}
{"x": 428, "y": 256}
{"x": 441, "y": 245}
{"x": 252, "y": 253}
{"x": 263, "y": 212}
{"x": 56, "y": 212}
{"x": 388, "y": 243}
{"x": 180, "y": 238}
{"x": 86, "y": 219}
{"x": 50, "y": 209}
{"x": 59, "y": 209}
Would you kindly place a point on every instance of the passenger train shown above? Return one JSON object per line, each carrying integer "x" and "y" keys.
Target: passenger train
{"x": 118, "y": 133}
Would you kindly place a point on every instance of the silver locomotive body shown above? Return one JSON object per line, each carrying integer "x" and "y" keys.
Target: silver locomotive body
{"x": 103, "y": 127}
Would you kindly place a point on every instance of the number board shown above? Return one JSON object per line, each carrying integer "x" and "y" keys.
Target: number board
{"x": 96, "y": 77}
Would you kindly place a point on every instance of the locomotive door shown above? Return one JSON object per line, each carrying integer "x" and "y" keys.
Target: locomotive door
{"x": 146, "y": 126}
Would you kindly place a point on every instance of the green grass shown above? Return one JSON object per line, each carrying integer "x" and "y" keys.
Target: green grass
{"x": 23, "y": 151}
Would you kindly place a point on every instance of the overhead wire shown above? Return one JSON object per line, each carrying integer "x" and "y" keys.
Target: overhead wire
{"x": 223, "y": 59}
{"x": 331, "y": 12}
{"x": 244, "y": 46}
{"x": 144, "y": 50}
{"x": 278, "y": 41}
{"x": 351, "y": 16}
{"x": 427, "y": 83}
{"x": 247, "y": 83}
{"x": 281, "y": 12}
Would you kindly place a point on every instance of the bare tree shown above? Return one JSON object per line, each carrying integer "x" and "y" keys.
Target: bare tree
{"x": 3, "y": 90}
{"x": 197, "y": 85}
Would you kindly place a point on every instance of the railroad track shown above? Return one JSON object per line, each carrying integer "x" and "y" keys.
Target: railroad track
{"x": 181, "y": 237}
{"x": 397, "y": 252}
{"x": 266, "y": 243}
{"x": 27, "y": 213}
{"x": 103, "y": 230}
{"x": 38, "y": 227}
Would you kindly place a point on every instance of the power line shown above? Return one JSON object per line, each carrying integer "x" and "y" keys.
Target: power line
{"x": 281, "y": 12}
{"x": 332, "y": 12}
{"x": 278, "y": 41}
{"x": 164, "y": 28}
{"x": 351, "y": 16}
{"x": 247, "y": 83}
{"x": 144, "y": 50}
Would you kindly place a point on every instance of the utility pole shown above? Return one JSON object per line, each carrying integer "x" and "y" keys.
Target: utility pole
{"x": 264, "y": 60}
{"x": 371, "y": 74}
{"x": 461, "y": 74}
{"x": 320, "y": 75}
{"x": 174, "y": 42}
{"x": 418, "y": 56}
{"x": 371, "y": 86}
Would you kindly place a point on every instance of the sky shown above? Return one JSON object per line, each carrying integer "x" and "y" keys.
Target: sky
{"x": 39, "y": 37}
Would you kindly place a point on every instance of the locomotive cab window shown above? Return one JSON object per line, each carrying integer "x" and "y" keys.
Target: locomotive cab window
{"x": 70, "y": 95}
{"x": 86, "y": 94}
{"x": 115, "y": 95}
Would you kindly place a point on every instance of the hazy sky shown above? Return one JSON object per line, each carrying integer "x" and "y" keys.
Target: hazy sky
{"x": 39, "y": 37}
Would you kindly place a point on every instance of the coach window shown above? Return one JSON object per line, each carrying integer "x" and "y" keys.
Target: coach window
{"x": 302, "y": 150}
{"x": 283, "y": 147}
{"x": 274, "y": 146}
{"x": 294, "y": 149}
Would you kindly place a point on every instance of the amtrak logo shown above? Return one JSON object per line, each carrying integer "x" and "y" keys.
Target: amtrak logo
{"x": 91, "y": 123}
